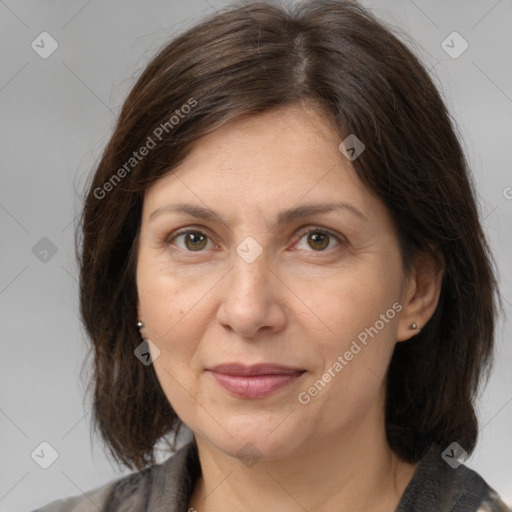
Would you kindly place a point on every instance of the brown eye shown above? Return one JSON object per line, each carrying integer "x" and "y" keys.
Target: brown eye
{"x": 318, "y": 241}
{"x": 195, "y": 241}
{"x": 192, "y": 241}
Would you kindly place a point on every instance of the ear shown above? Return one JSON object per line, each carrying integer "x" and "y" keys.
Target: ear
{"x": 421, "y": 293}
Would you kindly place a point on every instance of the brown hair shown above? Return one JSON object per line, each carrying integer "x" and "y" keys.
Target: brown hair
{"x": 251, "y": 59}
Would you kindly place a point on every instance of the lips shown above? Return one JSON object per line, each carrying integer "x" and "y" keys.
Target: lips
{"x": 255, "y": 381}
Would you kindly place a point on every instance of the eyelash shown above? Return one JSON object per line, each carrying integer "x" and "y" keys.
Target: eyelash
{"x": 301, "y": 233}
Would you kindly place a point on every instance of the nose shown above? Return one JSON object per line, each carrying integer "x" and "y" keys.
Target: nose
{"x": 252, "y": 299}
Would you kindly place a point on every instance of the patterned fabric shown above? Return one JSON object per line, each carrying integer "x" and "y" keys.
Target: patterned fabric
{"x": 166, "y": 487}
{"x": 436, "y": 486}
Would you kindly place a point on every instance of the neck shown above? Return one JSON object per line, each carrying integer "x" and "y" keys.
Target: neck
{"x": 353, "y": 470}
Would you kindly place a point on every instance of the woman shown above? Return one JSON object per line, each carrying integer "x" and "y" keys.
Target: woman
{"x": 281, "y": 250}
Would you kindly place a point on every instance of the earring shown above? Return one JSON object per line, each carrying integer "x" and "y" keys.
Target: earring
{"x": 413, "y": 326}
{"x": 140, "y": 324}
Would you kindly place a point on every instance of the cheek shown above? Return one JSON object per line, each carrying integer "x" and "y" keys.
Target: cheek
{"x": 176, "y": 311}
{"x": 358, "y": 311}
{"x": 165, "y": 297}
{"x": 168, "y": 305}
{"x": 353, "y": 300}
{"x": 162, "y": 307}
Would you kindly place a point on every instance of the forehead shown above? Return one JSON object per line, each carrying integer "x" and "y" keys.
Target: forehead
{"x": 266, "y": 161}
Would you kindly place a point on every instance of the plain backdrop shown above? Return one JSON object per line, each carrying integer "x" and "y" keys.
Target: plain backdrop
{"x": 56, "y": 116}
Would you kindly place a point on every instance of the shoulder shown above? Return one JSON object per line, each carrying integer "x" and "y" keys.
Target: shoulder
{"x": 493, "y": 503}
{"x": 88, "y": 502}
{"x": 136, "y": 491}
{"x": 438, "y": 485}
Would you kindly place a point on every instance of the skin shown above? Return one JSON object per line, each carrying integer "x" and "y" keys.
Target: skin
{"x": 300, "y": 303}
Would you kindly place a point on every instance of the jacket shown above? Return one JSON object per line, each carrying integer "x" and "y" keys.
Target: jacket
{"x": 166, "y": 487}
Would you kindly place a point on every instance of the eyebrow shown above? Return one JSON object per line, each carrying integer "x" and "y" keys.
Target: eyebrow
{"x": 283, "y": 217}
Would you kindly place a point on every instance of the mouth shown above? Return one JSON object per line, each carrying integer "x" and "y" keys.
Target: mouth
{"x": 256, "y": 381}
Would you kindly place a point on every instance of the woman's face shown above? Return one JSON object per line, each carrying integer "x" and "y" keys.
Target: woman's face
{"x": 305, "y": 323}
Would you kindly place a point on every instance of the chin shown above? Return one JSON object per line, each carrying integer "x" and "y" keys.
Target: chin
{"x": 255, "y": 438}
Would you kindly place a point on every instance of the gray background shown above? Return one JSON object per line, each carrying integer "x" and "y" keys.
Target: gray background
{"x": 57, "y": 114}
